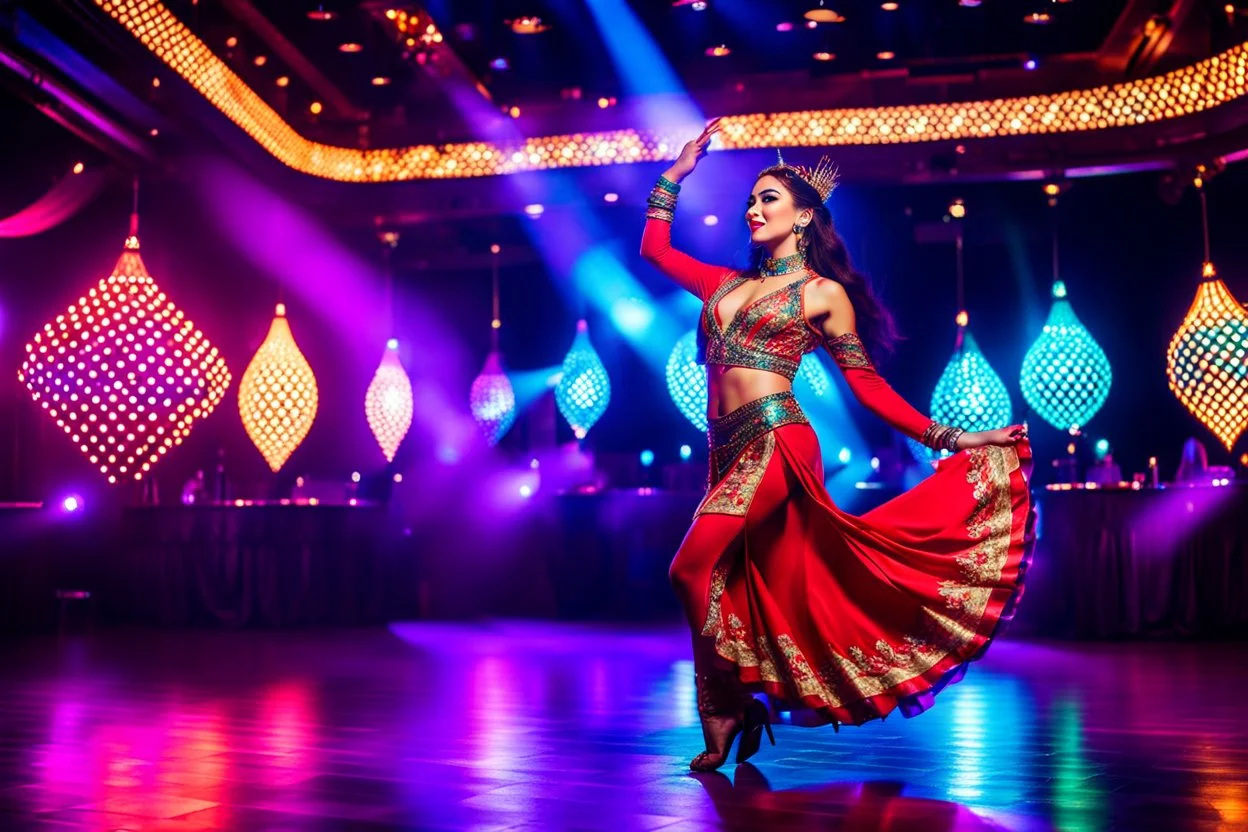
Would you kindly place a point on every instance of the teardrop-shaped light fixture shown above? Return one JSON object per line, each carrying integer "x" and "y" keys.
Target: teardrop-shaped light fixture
{"x": 969, "y": 394}
{"x": 1066, "y": 376}
{"x": 492, "y": 399}
{"x": 686, "y": 380}
{"x": 388, "y": 402}
{"x": 277, "y": 397}
{"x": 1207, "y": 363}
{"x": 584, "y": 390}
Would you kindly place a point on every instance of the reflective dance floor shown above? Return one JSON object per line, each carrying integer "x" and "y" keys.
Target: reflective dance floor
{"x": 561, "y": 727}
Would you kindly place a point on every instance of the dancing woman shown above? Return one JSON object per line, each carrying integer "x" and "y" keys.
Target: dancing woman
{"x": 842, "y": 617}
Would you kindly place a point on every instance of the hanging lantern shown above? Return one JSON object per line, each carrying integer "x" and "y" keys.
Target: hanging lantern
{"x": 493, "y": 400}
{"x": 277, "y": 396}
{"x": 1066, "y": 375}
{"x": 686, "y": 380}
{"x": 123, "y": 372}
{"x": 388, "y": 402}
{"x": 584, "y": 388}
{"x": 1207, "y": 363}
{"x": 969, "y": 394}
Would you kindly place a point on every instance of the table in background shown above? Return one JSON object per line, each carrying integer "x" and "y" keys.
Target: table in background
{"x": 1122, "y": 563}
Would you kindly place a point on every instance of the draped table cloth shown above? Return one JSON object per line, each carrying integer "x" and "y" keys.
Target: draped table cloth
{"x": 1149, "y": 563}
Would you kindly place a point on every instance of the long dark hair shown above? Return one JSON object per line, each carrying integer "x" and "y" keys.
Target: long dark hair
{"x": 827, "y": 256}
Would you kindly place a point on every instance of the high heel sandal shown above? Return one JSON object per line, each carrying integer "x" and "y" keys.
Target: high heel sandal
{"x": 721, "y": 704}
{"x": 756, "y": 720}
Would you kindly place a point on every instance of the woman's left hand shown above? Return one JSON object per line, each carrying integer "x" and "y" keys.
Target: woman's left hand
{"x": 1001, "y": 436}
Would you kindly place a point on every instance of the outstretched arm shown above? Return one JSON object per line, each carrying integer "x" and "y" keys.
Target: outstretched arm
{"x": 656, "y": 241}
{"x": 842, "y": 342}
{"x": 868, "y": 386}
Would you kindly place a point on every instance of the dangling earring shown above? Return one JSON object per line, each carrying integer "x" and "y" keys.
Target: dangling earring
{"x": 802, "y": 239}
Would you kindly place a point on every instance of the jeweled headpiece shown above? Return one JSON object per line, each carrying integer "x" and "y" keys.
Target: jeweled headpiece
{"x": 822, "y": 177}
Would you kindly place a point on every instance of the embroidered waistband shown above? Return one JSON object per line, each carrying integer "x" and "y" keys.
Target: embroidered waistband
{"x": 732, "y": 432}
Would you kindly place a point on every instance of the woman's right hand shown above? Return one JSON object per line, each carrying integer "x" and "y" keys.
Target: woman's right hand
{"x": 691, "y": 153}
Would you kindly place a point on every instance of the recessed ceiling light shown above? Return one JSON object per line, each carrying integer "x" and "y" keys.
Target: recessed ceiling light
{"x": 824, "y": 56}
{"x": 380, "y": 81}
{"x": 261, "y": 60}
{"x": 316, "y": 108}
{"x": 350, "y": 47}
{"x": 890, "y": 7}
{"x": 1038, "y": 18}
{"x": 528, "y": 25}
{"x": 282, "y": 81}
{"x": 231, "y": 42}
{"x": 822, "y": 14}
{"x": 718, "y": 51}
{"x": 886, "y": 56}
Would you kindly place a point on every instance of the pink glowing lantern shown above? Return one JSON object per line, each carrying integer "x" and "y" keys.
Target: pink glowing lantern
{"x": 388, "y": 402}
{"x": 123, "y": 372}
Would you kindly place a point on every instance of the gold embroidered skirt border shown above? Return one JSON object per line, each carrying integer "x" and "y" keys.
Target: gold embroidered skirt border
{"x": 741, "y": 447}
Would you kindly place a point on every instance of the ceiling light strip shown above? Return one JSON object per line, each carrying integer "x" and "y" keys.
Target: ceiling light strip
{"x": 1193, "y": 89}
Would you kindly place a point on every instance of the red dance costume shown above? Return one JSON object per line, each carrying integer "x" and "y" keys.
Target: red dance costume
{"x": 842, "y": 617}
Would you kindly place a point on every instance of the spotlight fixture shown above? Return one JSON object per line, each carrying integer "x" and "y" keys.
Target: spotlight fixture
{"x": 79, "y": 167}
{"x": 350, "y": 47}
{"x": 957, "y": 209}
{"x": 231, "y": 42}
{"x": 822, "y": 14}
{"x": 381, "y": 81}
{"x": 514, "y": 112}
{"x": 321, "y": 13}
{"x": 886, "y": 56}
{"x": 890, "y": 7}
{"x": 528, "y": 25}
{"x": 500, "y": 64}
{"x": 969, "y": 4}
{"x": 316, "y": 107}
{"x": 282, "y": 81}
{"x": 1038, "y": 18}
{"x": 718, "y": 51}
{"x": 611, "y": 197}
{"x": 260, "y": 60}
{"x": 824, "y": 56}
{"x": 784, "y": 26}
{"x": 535, "y": 210}
{"x": 1030, "y": 64}
{"x": 710, "y": 219}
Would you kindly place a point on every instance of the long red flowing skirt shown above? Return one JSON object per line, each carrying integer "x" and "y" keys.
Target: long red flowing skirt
{"x": 845, "y": 617}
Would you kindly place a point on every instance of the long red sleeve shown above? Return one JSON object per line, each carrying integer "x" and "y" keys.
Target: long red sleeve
{"x": 870, "y": 388}
{"x": 692, "y": 275}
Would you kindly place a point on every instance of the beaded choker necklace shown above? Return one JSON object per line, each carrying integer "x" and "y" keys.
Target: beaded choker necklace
{"x": 776, "y": 266}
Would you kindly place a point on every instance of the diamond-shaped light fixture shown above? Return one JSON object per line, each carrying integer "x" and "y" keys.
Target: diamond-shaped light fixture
{"x": 123, "y": 372}
{"x": 584, "y": 390}
{"x": 277, "y": 397}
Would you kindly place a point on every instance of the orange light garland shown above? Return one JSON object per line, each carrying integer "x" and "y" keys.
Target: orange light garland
{"x": 1192, "y": 89}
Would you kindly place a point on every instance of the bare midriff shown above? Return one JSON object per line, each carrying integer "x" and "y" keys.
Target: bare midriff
{"x": 732, "y": 387}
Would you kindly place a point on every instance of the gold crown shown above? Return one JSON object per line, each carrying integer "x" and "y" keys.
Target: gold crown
{"x": 823, "y": 177}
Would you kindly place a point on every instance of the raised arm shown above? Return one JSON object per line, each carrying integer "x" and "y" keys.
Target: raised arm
{"x": 656, "y": 245}
{"x": 868, "y": 386}
{"x": 656, "y": 241}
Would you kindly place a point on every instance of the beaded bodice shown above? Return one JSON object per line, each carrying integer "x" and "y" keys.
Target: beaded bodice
{"x": 768, "y": 333}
